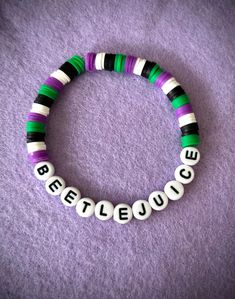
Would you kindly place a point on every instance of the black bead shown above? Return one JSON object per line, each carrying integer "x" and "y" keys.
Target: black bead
{"x": 35, "y": 136}
{"x": 44, "y": 100}
{"x": 147, "y": 69}
{"x": 69, "y": 70}
{"x": 109, "y": 62}
{"x": 175, "y": 92}
{"x": 190, "y": 129}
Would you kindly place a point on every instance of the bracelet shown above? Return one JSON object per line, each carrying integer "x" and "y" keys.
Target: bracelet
{"x": 71, "y": 196}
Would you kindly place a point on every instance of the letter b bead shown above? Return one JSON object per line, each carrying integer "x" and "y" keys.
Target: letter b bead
{"x": 44, "y": 170}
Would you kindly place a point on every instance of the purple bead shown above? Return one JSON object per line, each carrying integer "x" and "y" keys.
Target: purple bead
{"x": 90, "y": 62}
{"x": 38, "y": 156}
{"x": 32, "y": 116}
{"x": 162, "y": 79}
{"x": 130, "y": 63}
{"x": 54, "y": 83}
{"x": 185, "y": 109}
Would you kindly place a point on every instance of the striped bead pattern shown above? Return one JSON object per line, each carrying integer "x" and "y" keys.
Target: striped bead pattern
{"x": 120, "y": 63}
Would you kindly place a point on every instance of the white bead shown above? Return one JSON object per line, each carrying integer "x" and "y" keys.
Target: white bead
{"x": 184, "y": 174}
{"x": 40, "y": 109}
{"x": 187, "y": 119}
{"x": 141, "y": 209}
{"x": 44, "y": 170}
{"x": 99, "y": 61}
{"x": 85, "y": 207}
{"x": 36, "y": 146}
{"x": 70, "y": 196}
{"x": 139, "y": 65}
{"x": 169, "y": 85}
{"x": 158, "y": 200}
{"x": 104, "y": 210}
{"x": 190, "y": 155}
{"x": 174, "y": 190}
{"x": 61, "y": 76}
{"x": 122, "y": 213}
{"x": 55, "y": 185}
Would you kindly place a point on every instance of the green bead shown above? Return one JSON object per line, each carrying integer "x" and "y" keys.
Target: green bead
{"x": 190, "y": 140}
{"x": 78, "y": 62}
{"x": 155, "y": 73}
{"x": 33, "y": 126}
{"x": 180, "y": 101}
{"x": 48, "y": 91}
{"x": 119, "y": 63}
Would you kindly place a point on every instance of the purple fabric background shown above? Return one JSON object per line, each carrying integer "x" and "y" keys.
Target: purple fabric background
{"x": 116, "y": 137}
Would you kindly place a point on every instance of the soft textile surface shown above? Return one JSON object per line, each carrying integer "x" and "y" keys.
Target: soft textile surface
{"x": 116, "y": 137}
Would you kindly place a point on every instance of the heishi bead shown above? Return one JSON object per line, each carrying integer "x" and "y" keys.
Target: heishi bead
{"x": 141, "y": 209}
{"x": 61, "y": 76}
{"x": 190, "y": 129}
{"x": 119, "y": 63}
{"x": 85, "y": 207}
{"x": 184, "y": 174}
{"x": 180, "y": 101}
{"x": 32, "y": 116}
{"x": 90, "y": 62}
{"x": 44, "y": 170}
{"x": 109, "y": 60}
{"x": 69, "y": 69}
{"x": 155, "y": 73}
{"x": 55, "y": 185}
{"x": 99, "y": 61}
{"x": 44, "y": 100}
{"x": 162, "y": 79}
{"x": 169, "y": 85}
{"x": 34, "y": 126}
{"x": 122, "y": 213}
{"x": 175, "y": 92}
{"x": 36, "y": 146}
{"x": 35, "y": 136}
{"x": 130, "y": 64}
{"x": 185, "y": 109}
{"x": 158, "y": 200}
{"x": 70, "y": 196}
{"x": 54, "y": 83}
{"x": 104, "y": 210}
{"x": 190, "y": 140}
{"x": 78, "y": 63}
{"x": 190, "y": 156}
{"x": 187, "y": 119}
{"x": 149, "y": 65}
{"x": 139, "y": 65}
{"x": 40, "y": 109}
{"x": 38, "y": 156}
{"x": 174, "y": 190}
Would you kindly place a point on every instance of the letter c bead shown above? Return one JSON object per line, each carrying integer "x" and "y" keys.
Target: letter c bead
{"x": 184, "y": 174}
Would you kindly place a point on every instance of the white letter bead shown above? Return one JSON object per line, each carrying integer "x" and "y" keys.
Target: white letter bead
{"x": 158, "y": 200}
{"x": 190, "y": 156}
{"x": 184, "y": 174}
{"x": 85, "y": 207}
{"x": 70, "y": 196}
{"x": 141, "y": 209}
{"x": 174, "y": 190}
{"x": 104, "y": 210}
{"x": 122, "y": 213}
{"x": 55, "y": 185}
{"x": 44, "y": 170}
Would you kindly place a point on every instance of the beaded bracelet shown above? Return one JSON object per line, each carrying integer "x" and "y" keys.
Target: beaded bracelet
{"x": 71, "y": 196}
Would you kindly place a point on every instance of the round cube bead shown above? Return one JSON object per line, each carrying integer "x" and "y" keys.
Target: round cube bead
{"x": 141, "y": 209}
{"x": 40, "y": 109}
{"x": 184, "y": 174}
{"x": 169, "y": 85}
{"x": 85, "y": 207}
{"x": 122, "y": 213}
{"x": 139, "y": 65}
{"x": 174, "y": 190}
{"x": 36, "y": 146}
{"x": 55, "y": 185}
{"x": 158, "y": 200}
{"x": 70, "y": 196}
{"x": 104, "y": 210}
{"x": 61, "y": 76}
{"x": 190, "y": 156}
{"x": 187, "y": 119}
{"x": 44, "y": 170}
